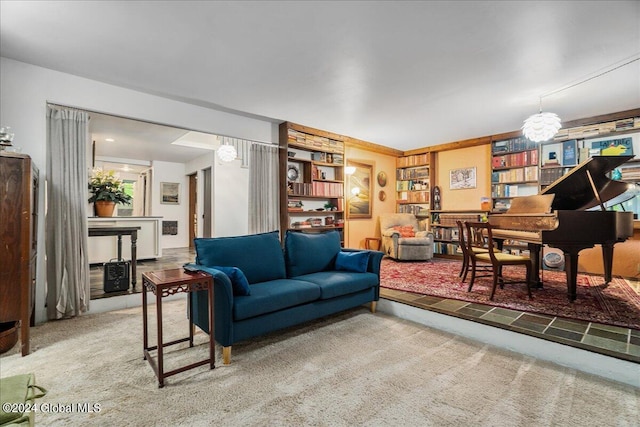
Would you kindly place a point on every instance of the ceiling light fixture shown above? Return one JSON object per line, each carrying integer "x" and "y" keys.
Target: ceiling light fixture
{"x": 544, "y": 125}
{"x": 350, "y": 170}
{"x": 109, "y": 139}
{"x": 227, "y": 153}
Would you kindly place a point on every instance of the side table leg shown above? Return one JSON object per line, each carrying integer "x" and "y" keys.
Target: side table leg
{"x": 189, "y": 300}
{"x": 145, "y": 335}
{"x": 134, "y": 240}
{"x": 160, "y": 344}
{"x": 212, "y": 340}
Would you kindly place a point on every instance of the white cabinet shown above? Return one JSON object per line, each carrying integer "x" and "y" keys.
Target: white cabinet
{"x": 104, "y": 248}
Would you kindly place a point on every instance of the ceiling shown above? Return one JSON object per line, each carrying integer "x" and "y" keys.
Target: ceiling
{"x": 119, "y": 139}
{"x": 400, "y": 74}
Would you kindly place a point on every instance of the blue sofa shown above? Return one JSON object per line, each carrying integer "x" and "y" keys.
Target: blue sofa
{"x": 271, "y": 289}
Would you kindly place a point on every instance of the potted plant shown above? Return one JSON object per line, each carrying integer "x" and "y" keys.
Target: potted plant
{"x": 107, "y": 189}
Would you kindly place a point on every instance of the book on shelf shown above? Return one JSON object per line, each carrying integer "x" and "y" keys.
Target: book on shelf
{"x": 569, "y": 153}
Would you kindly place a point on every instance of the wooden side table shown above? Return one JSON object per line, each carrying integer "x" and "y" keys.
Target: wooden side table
{"x": 169, "y": 282}
{"x": 368, "y": 240}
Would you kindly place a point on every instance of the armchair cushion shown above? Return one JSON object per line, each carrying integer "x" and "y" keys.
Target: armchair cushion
{"x": 405, "y": 230}
{"x": 414, "y": 241}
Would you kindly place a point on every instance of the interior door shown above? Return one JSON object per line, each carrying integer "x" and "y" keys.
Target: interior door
{"x": 206, "y": 200}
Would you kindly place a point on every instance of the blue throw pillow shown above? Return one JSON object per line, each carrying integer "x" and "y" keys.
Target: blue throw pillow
{"x": 352, "y": 261}
{"x": 239, "y": 281}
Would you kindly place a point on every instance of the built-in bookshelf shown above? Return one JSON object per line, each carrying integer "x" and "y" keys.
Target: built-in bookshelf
{"x": 413, "y": 185}
{"x": 514, "y": 171}
{"x": 445, "y": 230}
{"x": 312, "y": 179}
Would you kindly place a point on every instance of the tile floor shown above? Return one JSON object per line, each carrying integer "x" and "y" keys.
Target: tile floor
{"x": 622, "y": 343}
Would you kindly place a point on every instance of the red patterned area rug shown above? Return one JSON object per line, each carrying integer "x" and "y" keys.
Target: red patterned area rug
{"x": 613, "y": 304}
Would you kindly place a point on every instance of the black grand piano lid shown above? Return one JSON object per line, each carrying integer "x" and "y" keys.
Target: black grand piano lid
{"x": 573, "y": 190}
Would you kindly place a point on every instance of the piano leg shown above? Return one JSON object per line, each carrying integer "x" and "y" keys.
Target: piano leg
{"x": 607, "y": 259}
{"x": 534, "y": 254}
{"x": 571, "y": 268}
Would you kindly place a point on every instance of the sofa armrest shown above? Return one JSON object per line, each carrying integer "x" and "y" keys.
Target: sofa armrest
{"x": 223, "y": 306}
{"x": 427, "y": 234}
{"x": 390, "y": 232}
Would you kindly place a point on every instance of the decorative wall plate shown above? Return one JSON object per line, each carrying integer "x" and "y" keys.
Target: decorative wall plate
{"x": 292, "y": 173}
{"x": 382, "y": 196}
{"x": 382, "y": 179}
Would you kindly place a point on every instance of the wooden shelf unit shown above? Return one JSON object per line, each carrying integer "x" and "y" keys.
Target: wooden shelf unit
{"x": 413, "y": 184}
{"x": 311, "y": 177}
{"x": 445, "y": 229}
{"x": 18, "y": 252}
{"x": 514, "y": 170}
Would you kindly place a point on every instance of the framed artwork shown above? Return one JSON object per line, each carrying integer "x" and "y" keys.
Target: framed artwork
{"x": 382, "y": 179}
{"x": 170, "y": 193}
{"x": 460, "y": 179}
{"x": 359, "y": 202}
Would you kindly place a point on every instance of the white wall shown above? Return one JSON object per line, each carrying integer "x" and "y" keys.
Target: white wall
{"x": 230, "y": 199}
{"x": 25, "y": 90}
{"x": 171, "y": 172}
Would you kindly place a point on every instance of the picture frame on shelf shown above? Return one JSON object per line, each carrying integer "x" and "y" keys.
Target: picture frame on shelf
{"x": 462, "y": 178}
{"x": 170, "y": 193}
{"x": 359, "y": 201}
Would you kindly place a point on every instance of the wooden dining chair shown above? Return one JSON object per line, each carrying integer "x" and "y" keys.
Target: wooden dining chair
{"x": 466, "y": 258}
{"x": 479, "y": 236}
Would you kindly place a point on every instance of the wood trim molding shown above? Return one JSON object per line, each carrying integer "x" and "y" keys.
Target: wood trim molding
{"x": 473, "y": 142}
{"x": 370, "y": 146}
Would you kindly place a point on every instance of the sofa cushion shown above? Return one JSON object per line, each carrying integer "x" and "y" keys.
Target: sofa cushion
{"x": 259, "y": 256}
{"x": 336, "y": 283}
{"x": 274, "y": 295}
{"x": 352, "y": 261}
{"x": 310, "y": 252}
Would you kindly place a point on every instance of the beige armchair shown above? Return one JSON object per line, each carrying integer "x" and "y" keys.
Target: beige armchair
{"x": 402, "y": 238}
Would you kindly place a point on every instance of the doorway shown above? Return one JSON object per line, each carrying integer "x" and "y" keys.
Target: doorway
{"x": 193, "y": 207}
{"x": 206, "y": 201}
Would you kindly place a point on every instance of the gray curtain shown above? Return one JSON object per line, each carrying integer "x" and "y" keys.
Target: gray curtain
{"x": 264, "y": 200}
{"x": 66, "y": 219}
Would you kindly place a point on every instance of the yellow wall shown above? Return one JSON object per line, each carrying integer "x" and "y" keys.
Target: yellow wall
{"x": 479, "y": 157}
{"x": 626, "y": 257}
{"x": 356, "y": 230}
{"x": 626, "y": 254}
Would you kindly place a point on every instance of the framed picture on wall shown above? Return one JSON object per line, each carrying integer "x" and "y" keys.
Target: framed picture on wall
{"x": 359, "y": 202}
{"x": 462, "y": 178}
{"x": 170, "y": 193}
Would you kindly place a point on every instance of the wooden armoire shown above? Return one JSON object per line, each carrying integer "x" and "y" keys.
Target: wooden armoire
{"x": 18, "y": 241}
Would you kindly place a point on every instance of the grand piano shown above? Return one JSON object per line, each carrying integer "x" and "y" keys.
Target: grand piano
{"x": 570, "y": 214}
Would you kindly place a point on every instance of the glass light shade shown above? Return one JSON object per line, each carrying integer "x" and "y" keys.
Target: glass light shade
{"x": 541, "y": 127}
{"x": 227, "y": 153}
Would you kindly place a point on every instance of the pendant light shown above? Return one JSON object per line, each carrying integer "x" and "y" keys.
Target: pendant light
{"x": 227, "y": 153}
{"x": 542, "y": 126}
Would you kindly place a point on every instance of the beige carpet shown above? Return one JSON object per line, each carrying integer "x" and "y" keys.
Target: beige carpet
{"x": 353, "y": 369}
